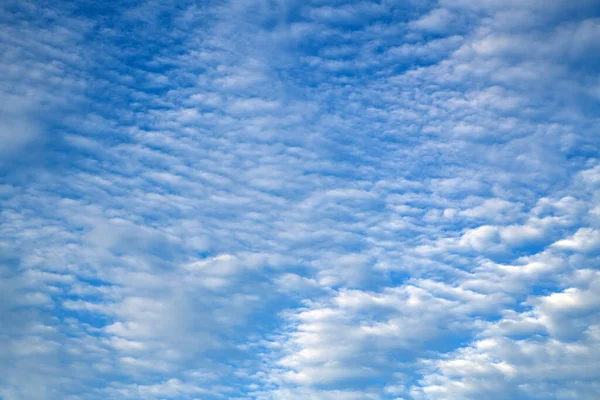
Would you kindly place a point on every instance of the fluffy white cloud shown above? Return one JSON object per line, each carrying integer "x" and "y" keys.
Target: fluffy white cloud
{"x": 549, "y": 351}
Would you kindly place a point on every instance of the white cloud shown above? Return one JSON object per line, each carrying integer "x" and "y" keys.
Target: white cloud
{"x": 584, "y": 240}
{"x": 437, "y": 20}
{"x": 559, "y": 361}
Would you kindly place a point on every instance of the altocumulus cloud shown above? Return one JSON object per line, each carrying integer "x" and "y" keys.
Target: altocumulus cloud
{"x": 274, "y": 200}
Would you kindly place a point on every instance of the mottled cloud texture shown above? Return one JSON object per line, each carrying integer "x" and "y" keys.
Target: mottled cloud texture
{"x": 300, "y": 200}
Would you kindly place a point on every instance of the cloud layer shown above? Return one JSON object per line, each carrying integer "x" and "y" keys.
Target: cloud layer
{"x": 300, "y": 200}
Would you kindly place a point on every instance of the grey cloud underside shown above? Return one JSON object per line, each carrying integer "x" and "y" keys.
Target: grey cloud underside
{"x": 280, "y": 200}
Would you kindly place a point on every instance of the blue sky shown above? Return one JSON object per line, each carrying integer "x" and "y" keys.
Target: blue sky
{"x": 308, "y": 200}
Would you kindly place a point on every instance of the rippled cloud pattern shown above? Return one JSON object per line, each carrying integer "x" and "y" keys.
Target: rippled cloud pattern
{"x": 300, "y": 200}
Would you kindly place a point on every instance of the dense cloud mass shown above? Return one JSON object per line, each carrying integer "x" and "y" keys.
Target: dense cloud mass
{"x": 300, "y": 200}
